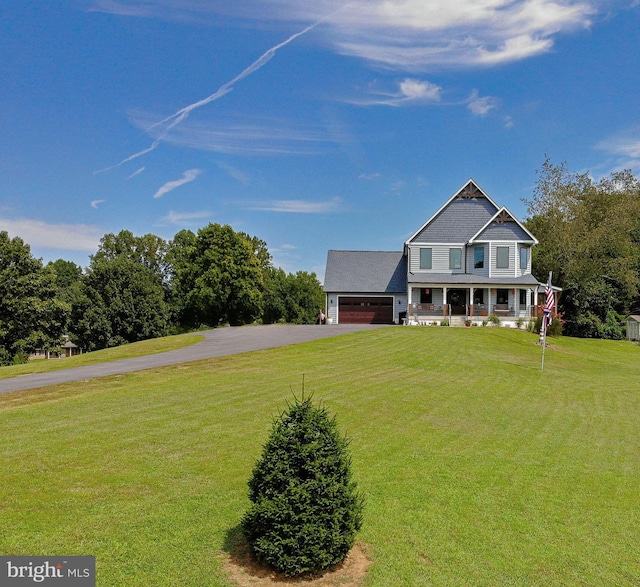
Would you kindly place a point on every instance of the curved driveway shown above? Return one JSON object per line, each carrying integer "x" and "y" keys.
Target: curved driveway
{"x": 217, "y": 343}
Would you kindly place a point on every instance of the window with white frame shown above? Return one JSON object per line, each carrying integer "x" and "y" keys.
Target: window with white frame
{"x": 425, "y": 258}
{"x": 502, "y": 257}
{"x": 524, "y": 257}
{"x": 455, "y": 258}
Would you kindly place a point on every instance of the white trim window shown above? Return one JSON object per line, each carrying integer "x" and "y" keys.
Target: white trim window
{"x": 502, "y": 257}
{"x": 426, "y": 258}
{"x": 455, "y": 258}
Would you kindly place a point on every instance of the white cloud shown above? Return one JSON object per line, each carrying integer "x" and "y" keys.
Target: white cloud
{"x": 369, "y": 176}
{"x": 481, "y": 106}
{"x": 67, "y": 237}
{"x": 297, "y": 206}
{"x": 625, "y": 148}
{"x": 164, "y": 126}
{"x": 187, "y": 177}
{"x": 408, "y": 35}
{"x": 137, "y": 172}
{"x": 410, "y": 92}
{"x": 96, "y": 203}
{"x": 236, "y": 173}
{"x": 628, "y": 147}
{"x": 182, "y": 218}
{"x": 417, "y": 90}
{"x": 243, "y": 136}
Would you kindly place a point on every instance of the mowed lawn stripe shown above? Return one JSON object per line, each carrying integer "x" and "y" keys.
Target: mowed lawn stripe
{"x": 478, "y": 467}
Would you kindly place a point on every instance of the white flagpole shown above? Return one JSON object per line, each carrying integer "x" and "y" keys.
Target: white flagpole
{"x": 544, "y": 338}
{"x": 544, "y": 323}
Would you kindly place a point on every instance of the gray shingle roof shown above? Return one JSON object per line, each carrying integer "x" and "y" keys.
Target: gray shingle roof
{"x": 458, "y": 221}
{"x": 366, "y": 272}
{"x": 508, "y": 231}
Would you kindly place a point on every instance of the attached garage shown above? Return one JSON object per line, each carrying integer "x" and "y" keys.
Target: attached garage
{"x": 365, "y": 310}
{"x": 366, "y": 287}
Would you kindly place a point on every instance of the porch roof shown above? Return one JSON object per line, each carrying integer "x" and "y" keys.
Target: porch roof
{"x": 447, "y": 279}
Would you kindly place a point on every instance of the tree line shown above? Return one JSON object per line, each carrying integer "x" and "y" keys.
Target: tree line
{"x": 589, "y": 233}
{"x": 141, "y": 287}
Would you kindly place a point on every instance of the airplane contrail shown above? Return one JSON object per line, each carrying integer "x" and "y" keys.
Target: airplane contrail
{"x": 176, "y": 118}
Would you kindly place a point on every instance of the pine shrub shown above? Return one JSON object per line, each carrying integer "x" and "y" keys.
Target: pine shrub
{"x": 306, "y": 508}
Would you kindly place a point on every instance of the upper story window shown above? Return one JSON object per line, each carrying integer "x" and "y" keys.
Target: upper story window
{"x": 478, "y": 257}
{"x": 502, "y": 257}
{"x": 455, "y": 258}
{"x": 425, "y": 258}
{"x": 524, "y": 257}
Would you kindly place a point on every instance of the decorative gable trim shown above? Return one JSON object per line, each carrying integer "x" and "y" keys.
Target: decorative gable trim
{"x": 469, "y": 190}
{"x": 502, "y": 216}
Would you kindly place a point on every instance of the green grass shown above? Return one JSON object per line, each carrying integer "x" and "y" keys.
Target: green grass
{"x": 126, "y": 351}
{"x": 478, "y": 468}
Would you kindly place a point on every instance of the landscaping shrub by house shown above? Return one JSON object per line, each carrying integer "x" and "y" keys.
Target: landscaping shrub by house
{"x": 306, "y": 508}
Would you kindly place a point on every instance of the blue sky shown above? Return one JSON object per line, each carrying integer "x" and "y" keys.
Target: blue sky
{"x": 312, "y": 125}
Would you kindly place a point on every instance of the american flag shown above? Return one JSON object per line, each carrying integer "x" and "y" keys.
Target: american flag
{"x": 549, "y": 302}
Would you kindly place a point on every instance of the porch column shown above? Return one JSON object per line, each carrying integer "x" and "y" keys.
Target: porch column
{"x": 409, "y": 305}
{"x": 444, "y": 301}
{"x": 471, "y": 301}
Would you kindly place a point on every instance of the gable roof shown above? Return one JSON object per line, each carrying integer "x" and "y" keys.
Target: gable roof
{"x": 503, "y": 226}
{"x": 460, "y": 218}
{"x": 366, "y": 272}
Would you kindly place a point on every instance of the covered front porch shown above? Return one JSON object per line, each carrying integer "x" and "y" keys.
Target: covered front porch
{"x": 473, "y": 303}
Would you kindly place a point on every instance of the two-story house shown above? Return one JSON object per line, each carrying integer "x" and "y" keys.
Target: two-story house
{"x": 471, "y": 259}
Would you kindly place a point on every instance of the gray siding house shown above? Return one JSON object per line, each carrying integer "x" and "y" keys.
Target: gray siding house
{"x": 470, "y": 260}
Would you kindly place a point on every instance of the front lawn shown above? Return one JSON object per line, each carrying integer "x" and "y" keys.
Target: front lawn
{"x": 478, "y": 468}
{"x": 125, "y": 351}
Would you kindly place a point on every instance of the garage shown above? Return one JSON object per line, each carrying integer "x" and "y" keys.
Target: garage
{"x": 365, "y": 310}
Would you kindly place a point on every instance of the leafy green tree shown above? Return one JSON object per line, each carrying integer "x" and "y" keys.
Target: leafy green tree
{"x": 306, "y": 509}
{"x": 589, "y": 233}
{"x": 123, "y": 293}
{"x": 275, "y": 287}
{"x": 68, "y": 284}
{"x": 67, "y": 273}
{"x": 31, "y": 316}
{"x": 292, "y": 298}
{"x": 305, "y": 298}
{"x": 218, "y": 276}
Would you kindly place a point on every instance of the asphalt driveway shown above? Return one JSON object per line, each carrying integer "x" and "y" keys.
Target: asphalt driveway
{"x": 217, "y": 343}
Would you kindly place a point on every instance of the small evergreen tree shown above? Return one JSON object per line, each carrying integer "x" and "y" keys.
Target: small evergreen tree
{"x": 306, "y": 509}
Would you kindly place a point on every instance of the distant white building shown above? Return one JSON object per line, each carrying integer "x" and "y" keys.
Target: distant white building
{"x": 633, "y": 327}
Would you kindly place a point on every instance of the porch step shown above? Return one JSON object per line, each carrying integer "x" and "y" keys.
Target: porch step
{"x": 457, "y": 321}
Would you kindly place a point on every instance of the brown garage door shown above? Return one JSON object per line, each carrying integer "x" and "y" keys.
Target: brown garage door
{"x": 366, "y": 311}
